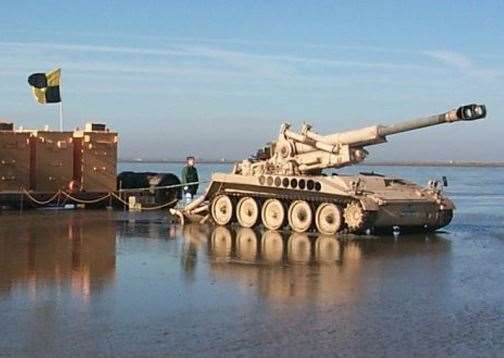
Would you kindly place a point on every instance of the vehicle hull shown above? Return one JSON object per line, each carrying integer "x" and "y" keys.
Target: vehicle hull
{"x": 386, "y": 203}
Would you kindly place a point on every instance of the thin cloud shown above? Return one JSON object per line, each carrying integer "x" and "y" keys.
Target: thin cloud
{"x": 451, "y": 58}
{"x": 233, "y": 56}
{"x": 32, "y": 46}
{"x": 237, "y": 58}
{"x": 190, "y": 64}
{"x": 465, "y": 64}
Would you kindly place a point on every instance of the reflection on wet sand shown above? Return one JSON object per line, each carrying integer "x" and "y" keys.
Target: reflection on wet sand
{"x": 299, "y": 265}
{"x": 147, "y": 227}
{"x": 273, "y": 247}
{"x": 46, "y": 251}
{"x": 221, "y": 242}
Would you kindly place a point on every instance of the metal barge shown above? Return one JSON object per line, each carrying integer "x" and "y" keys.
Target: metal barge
{"x": 41, "y": 168}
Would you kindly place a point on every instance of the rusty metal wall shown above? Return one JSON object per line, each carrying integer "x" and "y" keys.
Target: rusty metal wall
{"x": 46, "y": 161}
{"x": 14, "y": 160}
{"x": 52, "y": 160}
{"x": 98, "y": 157}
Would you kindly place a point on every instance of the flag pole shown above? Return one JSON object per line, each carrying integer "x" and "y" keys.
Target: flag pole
{"x": 60, "y": 105}
{"x": 61, "y": 116}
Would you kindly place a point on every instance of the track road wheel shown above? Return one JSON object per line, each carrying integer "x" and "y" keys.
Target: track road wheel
{"x": 247, "y": 211}
{"x": 328, "y": 218}
{"x": 273, "y": 214}
{"x": 355, "y": 217}
{"x": 221, "y": 209}
{"x": 300, "y": 216}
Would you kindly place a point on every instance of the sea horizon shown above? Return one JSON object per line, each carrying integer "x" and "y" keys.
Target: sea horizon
{"x": 391, "y": 163}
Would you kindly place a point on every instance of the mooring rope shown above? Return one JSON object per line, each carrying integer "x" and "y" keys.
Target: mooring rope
{"x": 133, "y": 190}
{"x": 82, "y": 201}
{"x": 145, "y": 208}
{"x": 39, "y": 202}
{"x": 148, "y": 208}
{"x": 114, "y": 195}
{"x": 121, "y": 200}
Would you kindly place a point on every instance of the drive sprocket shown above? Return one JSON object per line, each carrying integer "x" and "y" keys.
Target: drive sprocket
{"x": 355, "y": 217}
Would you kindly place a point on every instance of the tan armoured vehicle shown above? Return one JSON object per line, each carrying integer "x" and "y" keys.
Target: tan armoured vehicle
{"x": 284, "y": 184}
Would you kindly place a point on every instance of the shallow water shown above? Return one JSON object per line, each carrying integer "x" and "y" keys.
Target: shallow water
{"x": 106, "y": 283}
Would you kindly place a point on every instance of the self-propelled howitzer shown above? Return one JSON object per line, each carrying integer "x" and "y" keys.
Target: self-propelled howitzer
{"x": 284, "y": 184}
{"x": 308, "y": 152}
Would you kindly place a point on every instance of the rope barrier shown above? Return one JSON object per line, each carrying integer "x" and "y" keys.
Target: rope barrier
{"x": 112, "y": 194}
{"x": 134, "y": 190}
{"x": 145, "y": 208}
{"x": 150, "y": 208}
{"x": 81, "y": 201}
{"x": 39, "y": 202}
{"x": 121, "y": 200}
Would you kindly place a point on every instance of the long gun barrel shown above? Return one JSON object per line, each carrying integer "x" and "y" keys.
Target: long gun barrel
{"x": 376, "y": 134}
{"x": 313, "y": 151}
{"x": 469, "y": 112}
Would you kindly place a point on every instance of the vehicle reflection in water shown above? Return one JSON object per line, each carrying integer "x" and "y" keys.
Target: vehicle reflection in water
{"x": 51, "y": 253}
{"x": 221, "y": 243}
{"x": 272, "y": 247}
{"x": 299, "y": 265}
{"x": 245, "y": 245}
{"x": 74, "y": 253}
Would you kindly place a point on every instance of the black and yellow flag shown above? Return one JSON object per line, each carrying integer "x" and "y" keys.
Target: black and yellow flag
{"x": 46, "y": 86}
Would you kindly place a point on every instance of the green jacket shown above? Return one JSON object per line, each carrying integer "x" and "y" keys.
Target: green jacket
{"x": 190, "y": 175}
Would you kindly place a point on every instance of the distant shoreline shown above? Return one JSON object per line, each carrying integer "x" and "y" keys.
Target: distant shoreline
{"x": 467, "y": 164}
{"x": 458, "y": 163}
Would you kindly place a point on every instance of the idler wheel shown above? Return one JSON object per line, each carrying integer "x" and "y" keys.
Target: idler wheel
{"x": 221, "y": 209}
{"x": 273, "y": 214}
{"x": 300, "y": 216}
{"x": 355, "y": 217}
{"x": 247, "y": 211}
{"x": 328, "y": 218}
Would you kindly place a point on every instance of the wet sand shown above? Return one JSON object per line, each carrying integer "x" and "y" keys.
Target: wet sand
{"x": 81, "y": 283}
{"x": 103, "y": 283}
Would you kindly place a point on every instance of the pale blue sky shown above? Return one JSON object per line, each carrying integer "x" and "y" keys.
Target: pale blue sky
{"x": 216, "y": 79}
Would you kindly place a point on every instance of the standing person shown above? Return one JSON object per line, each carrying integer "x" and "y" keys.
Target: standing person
{"x": 189, "y": 175}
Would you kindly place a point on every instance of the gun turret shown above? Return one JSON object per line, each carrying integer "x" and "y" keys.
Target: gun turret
{"x": 307, "y": 152}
